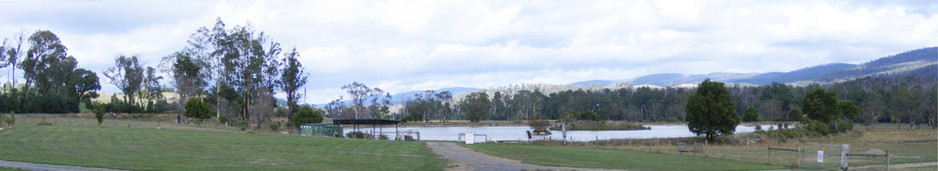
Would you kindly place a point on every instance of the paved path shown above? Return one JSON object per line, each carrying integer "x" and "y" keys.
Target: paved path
{"x": 467, "y": 159}
{"x": 33, "y": 166}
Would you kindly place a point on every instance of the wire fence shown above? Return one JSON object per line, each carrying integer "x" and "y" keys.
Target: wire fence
{"x": 117, "y": 121}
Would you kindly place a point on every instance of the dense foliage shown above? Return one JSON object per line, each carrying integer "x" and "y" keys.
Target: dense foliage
{"x": 195, "y": 108}
{"x": 98, "y": 110}
{"x": 53, "y": 83}
{"x": 878, "y": 99}
{"x": 475, "y": 105}
{"x": 306, "y": 114}
{"x": 711, "y": 110}
{"x": 750, "y": 115}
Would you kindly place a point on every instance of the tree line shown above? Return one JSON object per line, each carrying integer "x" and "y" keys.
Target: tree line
{"x": 879, "y": 99}
{"x": 52, "y": 81}
{"x": 236, "y": 70}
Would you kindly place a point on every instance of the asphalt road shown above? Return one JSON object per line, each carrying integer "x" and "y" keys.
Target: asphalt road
{"x": 34, "y": 166}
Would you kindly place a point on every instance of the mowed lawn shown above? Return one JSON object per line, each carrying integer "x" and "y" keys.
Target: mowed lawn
{"x": 151, "y": 149}
{"x": 612, "y": 159}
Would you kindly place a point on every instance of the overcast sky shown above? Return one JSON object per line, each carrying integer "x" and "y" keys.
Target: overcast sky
{"x": 417, "y": 45}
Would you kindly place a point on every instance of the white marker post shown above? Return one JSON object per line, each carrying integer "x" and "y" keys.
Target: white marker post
{"x": 843, "y": 156}
{"x": 820, "y": 156}
{"x": 470, "y": 138}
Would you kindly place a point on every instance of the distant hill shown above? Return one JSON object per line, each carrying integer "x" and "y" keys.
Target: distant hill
{"x": 590, "y": 83}
{"x": 399, "y": 98}
{"x": 918, "y": 63}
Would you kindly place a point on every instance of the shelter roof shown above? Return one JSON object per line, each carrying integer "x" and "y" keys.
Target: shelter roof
{"x": 364, "y": 122}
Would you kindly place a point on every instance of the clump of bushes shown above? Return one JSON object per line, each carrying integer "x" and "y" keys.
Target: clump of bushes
{"x": 223, "y": 119}
{"x": 274, "y": 126}
{"x": 539, "y": 124}
{"x": 784, "y": 135}
{"x": 10, "y": 121}
{"x": 99, "y": 112}
{"x": 358, "y": 135}
{"x": 588, "y": 120}
{"x": 43, "y": 122}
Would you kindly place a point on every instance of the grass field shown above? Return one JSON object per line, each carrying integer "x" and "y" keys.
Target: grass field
{"x": 904, "y": 146}
{"x": 613, "y": 159}
{"x": 195, "y": 149}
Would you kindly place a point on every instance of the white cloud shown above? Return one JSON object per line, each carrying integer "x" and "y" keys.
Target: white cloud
{"x": 414, "y": 45}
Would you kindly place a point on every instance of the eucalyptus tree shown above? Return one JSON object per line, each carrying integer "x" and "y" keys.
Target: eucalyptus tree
{"x": 359, "y": 93}
{"x": 475, "y": 105}
{"x": 444, "y": 98}
{"x": 293, "y": 77}
{"x": 11, "y": 54}
{"x": 45, "y": 47}
{"x": 152, "y": 90}
{"x": 83, "y": 84}
{"x": 127, "y": 75}
{"x": 187, "y": 76}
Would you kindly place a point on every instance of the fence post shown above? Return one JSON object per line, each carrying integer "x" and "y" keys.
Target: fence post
{"x": 799, "y": 156}
{"x": 887, "y": 160}
{"x": 770, "y": 155}
{"x": 845, "y": 148}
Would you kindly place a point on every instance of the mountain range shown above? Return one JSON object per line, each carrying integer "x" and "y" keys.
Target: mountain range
{"x": 917, "y": 63}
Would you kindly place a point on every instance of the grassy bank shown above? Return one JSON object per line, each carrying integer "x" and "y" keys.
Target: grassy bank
{"x": 612, "y": 159}
{"x": 904, "y": 146}
{"x": 195, "y": 149}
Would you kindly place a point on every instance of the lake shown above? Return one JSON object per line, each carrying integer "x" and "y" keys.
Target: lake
{"x": 519, "y": 133}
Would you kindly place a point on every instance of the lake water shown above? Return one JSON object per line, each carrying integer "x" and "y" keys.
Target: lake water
{"x": 519, "y": 133}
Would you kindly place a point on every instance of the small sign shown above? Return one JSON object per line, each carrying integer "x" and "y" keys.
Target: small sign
{"x": 470, "y": 138}
{"x": 820, "y": 156}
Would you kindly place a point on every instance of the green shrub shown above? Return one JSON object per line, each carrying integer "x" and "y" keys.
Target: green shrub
{"x": 98, "y": 112}
{"x": 274, "y": 126}
{"x": 356, "y": 134}
{"x": 223, "y": 119}
{"x": 12, "y": 120}
{"x": 589, "y": 115}
{"x": 243, "y": 125}
{"x": 43, "y": 122}
{"x": 195, "y": 108}
{"x": 305, "y": 115}
{"x": 750, "y": 115}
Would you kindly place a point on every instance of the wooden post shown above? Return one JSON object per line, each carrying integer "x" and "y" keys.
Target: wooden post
{"x": 799, "y": 156}
{"x": 887, "y": 160}
{"x": 770, "y": 155}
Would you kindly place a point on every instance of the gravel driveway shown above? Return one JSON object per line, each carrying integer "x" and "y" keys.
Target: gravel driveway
{"x": 467, "y": 159}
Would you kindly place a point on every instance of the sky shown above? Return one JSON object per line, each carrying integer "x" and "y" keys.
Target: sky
{"x": 401, "y": 46}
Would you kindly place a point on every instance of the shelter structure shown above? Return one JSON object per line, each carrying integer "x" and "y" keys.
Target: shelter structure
{"x": 376, "y": 125}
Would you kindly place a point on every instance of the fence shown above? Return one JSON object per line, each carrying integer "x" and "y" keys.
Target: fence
{"x": 884, "y": 154}
{"x": 797, "y": 155}
{"x": 827, "y": 156}
{"x": 116, "y": 121}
